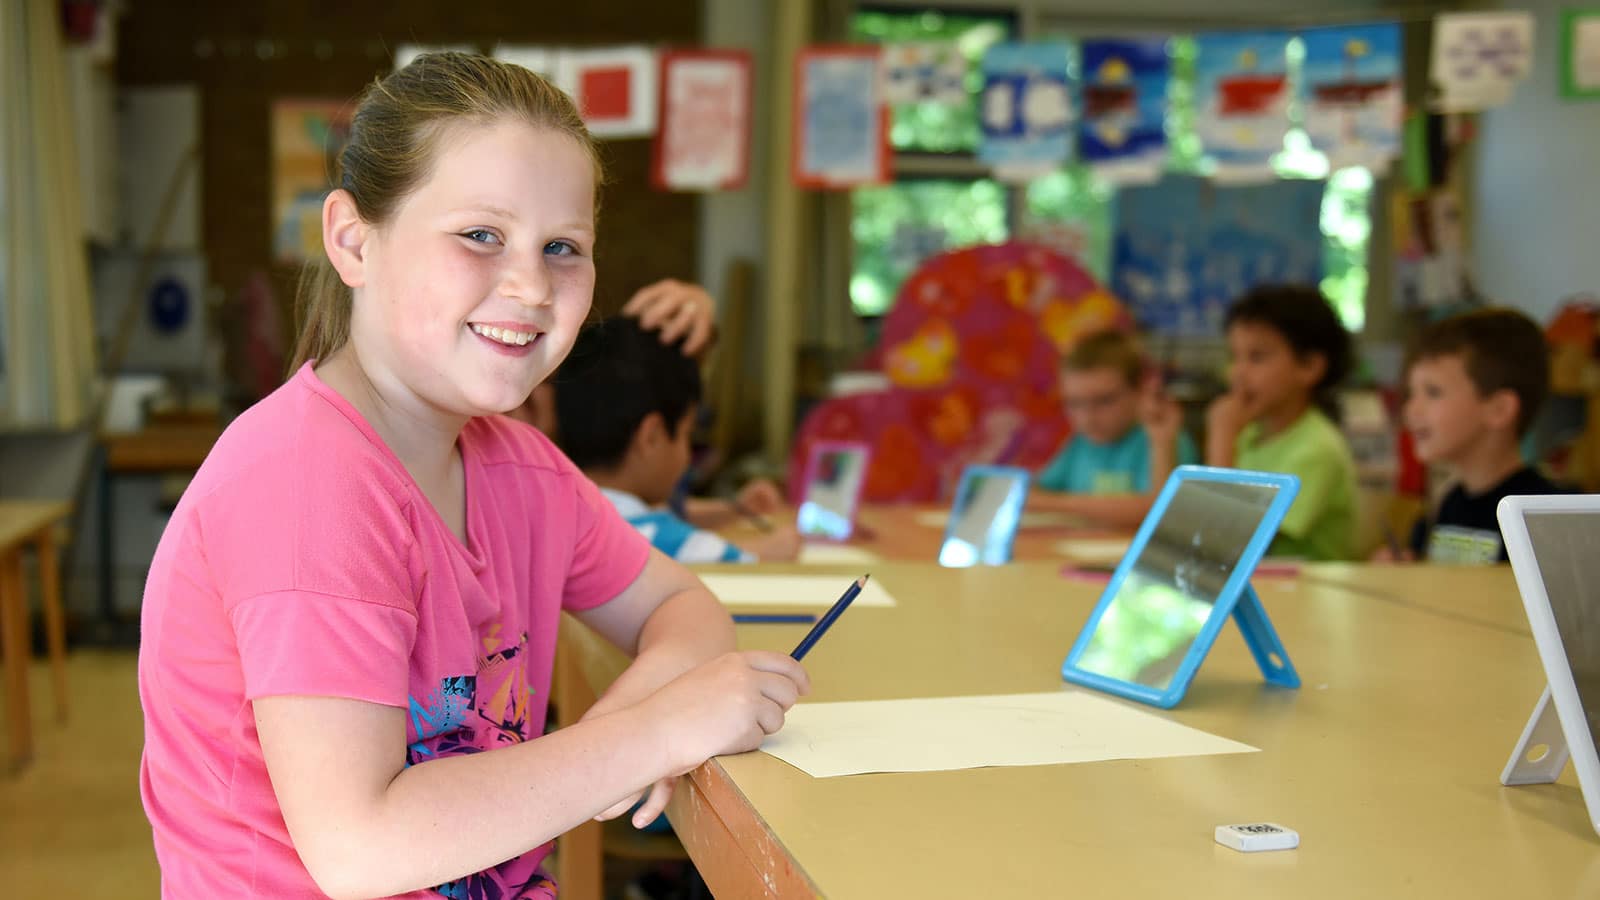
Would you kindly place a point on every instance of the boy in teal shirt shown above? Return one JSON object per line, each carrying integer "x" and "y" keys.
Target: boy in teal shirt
{"x": 1126, "y": 435}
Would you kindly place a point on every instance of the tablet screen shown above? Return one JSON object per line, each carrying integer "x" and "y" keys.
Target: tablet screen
{"x": 1563, "y": 543}
{"x": 1166, "y": 597}
{"x": 831, "y": 494}
{"x": 984, "y": 519}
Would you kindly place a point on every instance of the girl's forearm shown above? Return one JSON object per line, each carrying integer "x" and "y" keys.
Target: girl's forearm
{"x": 441, "y": 820}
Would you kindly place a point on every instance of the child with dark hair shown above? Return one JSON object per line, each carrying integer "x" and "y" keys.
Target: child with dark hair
{"x": 1475, "y": 383}
{"x": 1289, "y": 352}
{"x": 625, "y": 404}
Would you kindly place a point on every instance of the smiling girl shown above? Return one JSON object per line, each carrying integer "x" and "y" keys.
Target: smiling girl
{"x": 349, "y": 625}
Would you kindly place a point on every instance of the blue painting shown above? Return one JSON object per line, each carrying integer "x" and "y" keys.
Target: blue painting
{"x": 1025, "y": 110}
{"x": 1241, "y": 100}
{"x": 841, "y": 138}
{"x": 1122, "y": 132}
{"x": 1186, "y": 248}
{"x": 1352, "y": 95}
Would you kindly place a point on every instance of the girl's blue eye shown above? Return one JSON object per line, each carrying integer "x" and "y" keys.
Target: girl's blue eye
{"x": 560, "y": 248}
{"x": 481, "y": 236}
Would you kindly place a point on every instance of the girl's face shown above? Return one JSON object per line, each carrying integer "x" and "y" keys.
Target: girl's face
{"x": 1265, "y": 371}
{"x": 474, "y": 292}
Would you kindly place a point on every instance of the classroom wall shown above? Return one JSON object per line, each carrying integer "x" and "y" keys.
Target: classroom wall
{"x": 1536, "y": 219}
{"x": 733, "y": 223}
{"x": 244, "y": 56}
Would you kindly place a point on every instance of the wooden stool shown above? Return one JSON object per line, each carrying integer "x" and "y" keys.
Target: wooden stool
{"x": 25, "y": 522}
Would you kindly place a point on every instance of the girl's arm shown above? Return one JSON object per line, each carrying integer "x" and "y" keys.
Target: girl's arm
{"x": 667, "y": 620}
{"x": 366, "y": 825}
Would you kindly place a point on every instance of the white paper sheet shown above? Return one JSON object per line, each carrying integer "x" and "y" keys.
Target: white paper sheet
{"x": 739, "y": 591}
{"x": 938, "y": 518}
{"x": 937, "y": 734}
{"x": 1479, "y": 57}
{"x": 1108, "y": 551}
{"x": 829, "y": 554}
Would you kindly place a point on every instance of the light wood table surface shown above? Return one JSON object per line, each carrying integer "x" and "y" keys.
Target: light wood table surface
{"x": 25, "y": 523}
{"x": 914, "y": 533}
{"x": 1417, "y": 683}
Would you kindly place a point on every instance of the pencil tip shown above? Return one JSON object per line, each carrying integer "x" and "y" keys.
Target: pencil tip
{"x": 863, "y": 581}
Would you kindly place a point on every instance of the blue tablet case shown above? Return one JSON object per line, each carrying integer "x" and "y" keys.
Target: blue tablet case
{"x": 1186, "y": 572}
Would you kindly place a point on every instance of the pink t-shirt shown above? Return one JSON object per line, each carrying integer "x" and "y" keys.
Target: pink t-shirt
{"x": 303, "y": 559}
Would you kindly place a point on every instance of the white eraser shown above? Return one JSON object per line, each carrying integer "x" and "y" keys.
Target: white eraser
{"x": 1257, "y": 836}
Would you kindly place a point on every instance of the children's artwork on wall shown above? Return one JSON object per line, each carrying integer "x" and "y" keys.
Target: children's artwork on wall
{"x": 925, "y": 72}
{"x": 1429, "y": 250}
{"x": 1242, "y": 101}
{"x": 1025, "y": 110}
{"x": 1478, "y": 58}
{"x": 614, "y": 87}
{"x": 704, "y": 141}
{"x": 841, "y": 134}
{"x": 1186, "y": 248}
{"x": 307, "y": 136}
{"x": 1352, "y": 94}
{"x": 1122, "y": 132}
{"x": 1580, "y": 53}
{"x": 971, "y": 350}
{"x": 539, "y": 60}
{"x": 405, "y": 53}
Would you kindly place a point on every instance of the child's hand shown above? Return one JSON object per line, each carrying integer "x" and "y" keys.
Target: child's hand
{"x": 1385, "y": 554}
{"x": 761, "y": 496}
{"x": 680, "y": 309}
{"x": 1227, "y": 415}
{"x": 1160, "y": 414}
{"x": 727, "y": 705}
{"x": 782, "y": 544}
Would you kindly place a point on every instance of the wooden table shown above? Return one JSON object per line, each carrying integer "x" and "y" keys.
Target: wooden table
{"x": 157, "y": 449}
{"x": 914, "y": 533}
{"x": 25, "y": 523}
{"x": 1417, "y": 683}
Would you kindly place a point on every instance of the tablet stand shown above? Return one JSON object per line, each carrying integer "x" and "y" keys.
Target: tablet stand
{"x": 1544, "y": 727}
{"x": 1262, "y": 639}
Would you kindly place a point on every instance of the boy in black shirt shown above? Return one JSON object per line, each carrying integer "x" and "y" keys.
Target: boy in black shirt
{"x": 1474, "y": 384}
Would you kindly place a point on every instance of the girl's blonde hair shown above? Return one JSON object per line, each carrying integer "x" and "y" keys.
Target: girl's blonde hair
{"x": 394, "y": 137}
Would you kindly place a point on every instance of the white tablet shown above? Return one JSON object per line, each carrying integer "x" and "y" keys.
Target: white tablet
{"x": 1551, "y": 541}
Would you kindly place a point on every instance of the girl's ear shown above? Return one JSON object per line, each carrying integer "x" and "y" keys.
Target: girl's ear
{"x": 344, "y": 237}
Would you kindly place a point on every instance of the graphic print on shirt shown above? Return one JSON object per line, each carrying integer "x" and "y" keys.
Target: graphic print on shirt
{"x": 473, "y": 713}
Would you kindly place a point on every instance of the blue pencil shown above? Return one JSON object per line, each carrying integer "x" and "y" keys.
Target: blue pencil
{"x": 821, "y": 628}
{"x": 774, "y": 619}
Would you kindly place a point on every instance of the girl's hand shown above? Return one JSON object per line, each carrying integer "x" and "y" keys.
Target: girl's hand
{"x": 1225, "y": 418}
{"x": 727, "y": 705}
{"x": 1227, "y": 415}
{"x": 679, "y": 309}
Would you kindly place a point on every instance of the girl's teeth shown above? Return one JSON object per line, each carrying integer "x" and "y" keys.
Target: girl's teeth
{"x": 513, "y": 338}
